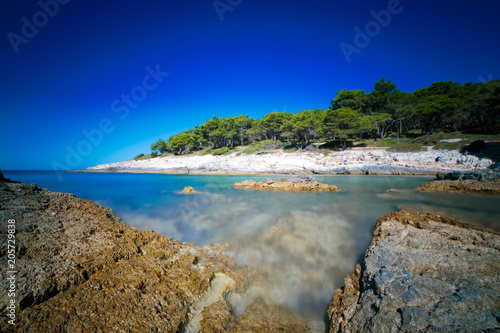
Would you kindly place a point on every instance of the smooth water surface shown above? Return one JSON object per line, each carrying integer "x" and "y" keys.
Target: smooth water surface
{"x": 306, "y": 242}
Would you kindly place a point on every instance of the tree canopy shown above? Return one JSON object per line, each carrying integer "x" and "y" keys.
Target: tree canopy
{"x": 354, "y": 114}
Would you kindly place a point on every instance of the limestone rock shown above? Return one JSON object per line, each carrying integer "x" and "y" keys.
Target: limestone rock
{"x": 188, "y": 190}
{"x": 296, "y": 184}
{"x": 424, "y": 273}
{"x": 483, "y": 175}
{"x": 461, "y": 186}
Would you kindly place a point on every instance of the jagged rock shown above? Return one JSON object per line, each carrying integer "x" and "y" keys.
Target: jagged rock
{"x": 7, "y": 180}
{"x": 79, "y": 269}
{"x": 461, "y": 186}
{"x": 296, "y": 183}
{"x": 188, "y": 190}
{"x": 425, "y": 273}
{"x": 482, "y": 175}
{"x": 480, "y": 181}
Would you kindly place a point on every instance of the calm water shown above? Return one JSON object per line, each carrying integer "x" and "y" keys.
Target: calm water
{"x": 319, "y": 236}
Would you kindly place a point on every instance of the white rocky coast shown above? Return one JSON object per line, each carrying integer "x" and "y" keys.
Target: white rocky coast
{"x": 357, "y": 160}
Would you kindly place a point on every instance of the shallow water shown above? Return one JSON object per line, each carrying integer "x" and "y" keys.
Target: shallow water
{"x": 306, "y": 242}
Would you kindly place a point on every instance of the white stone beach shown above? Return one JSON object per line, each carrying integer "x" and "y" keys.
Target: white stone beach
{"x": 351, "y": 161}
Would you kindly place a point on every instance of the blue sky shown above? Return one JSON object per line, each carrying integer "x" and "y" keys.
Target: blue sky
{"x": 68, "y": 66}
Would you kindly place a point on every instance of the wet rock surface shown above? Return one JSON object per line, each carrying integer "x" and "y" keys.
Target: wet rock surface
{"x": 424, "y": 273}
{"x": 296, "y": 183}
{"x": 79, "y": 269}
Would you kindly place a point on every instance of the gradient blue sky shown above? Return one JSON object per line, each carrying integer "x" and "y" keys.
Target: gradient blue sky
{"x": 263, "y": 56}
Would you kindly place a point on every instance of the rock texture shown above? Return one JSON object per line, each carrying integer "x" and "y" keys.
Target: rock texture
{"x": 296, "y": 184}
{"x": 484, "y": 181}
{"x": 350, "y": 161}
{"x": 422, "y": 273}
{"x": 188, "y": 190}
{"x": 461, "y": 186}
{"x": 79, "y": 269}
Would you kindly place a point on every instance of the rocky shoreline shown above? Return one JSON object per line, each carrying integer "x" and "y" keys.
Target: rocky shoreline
{"x": 422, "y": 273}
{"x": 353, "y": 161}
{"x": 81, "y": 269}
{"x": 484, "y": 181}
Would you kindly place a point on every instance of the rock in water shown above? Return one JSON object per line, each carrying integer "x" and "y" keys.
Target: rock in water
{"x": 295, "y": 184}
{"x": 461, "y": 186}
{"x": 482, "y": 181}
{"x": 188, "y": 190}
{"x": 422, "y": 273}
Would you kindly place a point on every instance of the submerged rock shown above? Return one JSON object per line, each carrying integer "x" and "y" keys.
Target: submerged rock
{"x": 296, "y": 183}
{"x": 422, "y": 272}
{"x": 188, "y": 190}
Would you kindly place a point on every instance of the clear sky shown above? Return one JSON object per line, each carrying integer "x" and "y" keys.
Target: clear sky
{"x": 84, "y": 83}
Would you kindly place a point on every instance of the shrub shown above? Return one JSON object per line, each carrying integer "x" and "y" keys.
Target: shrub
{"x": 154, "y": 154}
{"x": 406, "y": 147}
{"x": 449, "y": 145}
{"x": 221, "y": 151}
{"x": 139, "y": 157}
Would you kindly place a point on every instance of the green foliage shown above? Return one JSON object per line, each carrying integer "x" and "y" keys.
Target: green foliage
{"x": 262, "y": 146}
{"x": 450, "y": 145}
{"x": 221, "y": 151}
{"x": 406, "y": 147}
{"x": 154, "y": 154}
{"x": 424, "y": 116}
{"x": 138, "y": 157}
{"x": 160, "y": 146}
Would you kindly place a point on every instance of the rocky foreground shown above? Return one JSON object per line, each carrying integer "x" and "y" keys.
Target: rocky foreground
{"x": 80, "y": 269}
{"x": 293, "y": 184}
{"x": 484, "y": 181}
{"x": 422, "y": 273}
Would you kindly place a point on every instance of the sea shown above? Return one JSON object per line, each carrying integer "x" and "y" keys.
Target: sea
{"x": 306, "y": 242}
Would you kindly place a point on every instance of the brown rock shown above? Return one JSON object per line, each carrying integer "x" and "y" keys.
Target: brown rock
{"x": 461, "y": 186}
{"x": 295, "y": 184}
{"x": 188, "y": 190}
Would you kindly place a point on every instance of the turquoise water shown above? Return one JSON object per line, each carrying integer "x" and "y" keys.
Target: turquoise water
{"x": 321, "y": 236}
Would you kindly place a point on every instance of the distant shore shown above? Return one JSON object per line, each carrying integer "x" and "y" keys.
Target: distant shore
{"x": 373, "y": 161}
